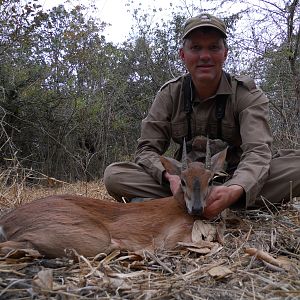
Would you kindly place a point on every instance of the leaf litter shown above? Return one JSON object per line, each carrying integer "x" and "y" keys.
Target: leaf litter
{"x": 243, "y": 255}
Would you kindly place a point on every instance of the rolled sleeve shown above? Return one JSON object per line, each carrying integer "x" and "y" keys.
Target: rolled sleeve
{"x": 253, "y": 169}
{"x": 155, "y": 136}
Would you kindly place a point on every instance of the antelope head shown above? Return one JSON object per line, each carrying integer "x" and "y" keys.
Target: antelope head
{"x": 196, "y": 177}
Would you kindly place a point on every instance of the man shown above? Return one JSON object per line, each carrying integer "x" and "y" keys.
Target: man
{"x": 207, "y": 101}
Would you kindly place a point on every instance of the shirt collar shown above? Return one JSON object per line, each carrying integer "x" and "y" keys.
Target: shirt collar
{"x": 224, "y": 86}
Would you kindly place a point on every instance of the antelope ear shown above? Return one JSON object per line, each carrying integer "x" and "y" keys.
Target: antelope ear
{"x": 218, "y": 160}
{"x": 171, "y": 165}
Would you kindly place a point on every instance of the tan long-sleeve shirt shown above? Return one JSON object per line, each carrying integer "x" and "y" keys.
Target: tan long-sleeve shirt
{"x": 245, "y": 126}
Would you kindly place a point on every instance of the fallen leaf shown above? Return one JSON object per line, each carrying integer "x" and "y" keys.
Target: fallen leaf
{"x": 200, "y": 250}
{"x": 219, "y": 272}
{"x": 43, "y": 280}
{"x": 23, "y": 253}
{"x": 203, "y": 231}
{"x": 201, "y": 247}
{"x": 220, "y": 232}
{"x": 199, "y": 244}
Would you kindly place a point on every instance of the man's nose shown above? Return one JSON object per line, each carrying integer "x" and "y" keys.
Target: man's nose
{"x": 204, "y": 54}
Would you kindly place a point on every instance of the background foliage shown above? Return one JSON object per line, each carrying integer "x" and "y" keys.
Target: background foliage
{"x": 71, "y": 102}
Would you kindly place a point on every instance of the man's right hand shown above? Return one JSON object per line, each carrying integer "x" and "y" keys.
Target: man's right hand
{"x": 174, "y": 182}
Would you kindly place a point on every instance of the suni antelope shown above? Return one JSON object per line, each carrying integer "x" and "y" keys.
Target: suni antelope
{"x": 91, "y": 226}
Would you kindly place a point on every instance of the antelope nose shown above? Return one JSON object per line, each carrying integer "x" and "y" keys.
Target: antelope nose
{"x": 197, "y": 211}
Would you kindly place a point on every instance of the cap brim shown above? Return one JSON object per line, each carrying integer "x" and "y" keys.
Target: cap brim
{"x": 204, "y": 25}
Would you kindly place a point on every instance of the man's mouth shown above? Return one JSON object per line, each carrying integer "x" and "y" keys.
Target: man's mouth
{"x": 205, "y": 66}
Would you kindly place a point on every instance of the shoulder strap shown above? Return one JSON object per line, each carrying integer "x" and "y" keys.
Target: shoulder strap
{"x": 221, "y": 107}
{"x": 220, "y": 113}
{"x": 188, "y": 95}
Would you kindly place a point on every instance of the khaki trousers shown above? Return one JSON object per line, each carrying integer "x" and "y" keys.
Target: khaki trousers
{"x": 129, "y": 180}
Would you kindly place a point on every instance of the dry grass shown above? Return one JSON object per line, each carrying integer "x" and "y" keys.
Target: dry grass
{"x": 222, "y": 272}
{"x": 19, "y": 192}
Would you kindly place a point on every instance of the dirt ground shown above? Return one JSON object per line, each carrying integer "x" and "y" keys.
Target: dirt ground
{"x": 257, "y": 257}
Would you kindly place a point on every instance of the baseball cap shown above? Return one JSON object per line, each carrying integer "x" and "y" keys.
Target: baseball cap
{"x": 204, "y": 20}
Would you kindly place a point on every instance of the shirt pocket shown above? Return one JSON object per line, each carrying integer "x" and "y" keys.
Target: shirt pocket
{"x": 179, "y": 130}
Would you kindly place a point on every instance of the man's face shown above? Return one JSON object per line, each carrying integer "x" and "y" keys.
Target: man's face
{"x": 204, "y": 54}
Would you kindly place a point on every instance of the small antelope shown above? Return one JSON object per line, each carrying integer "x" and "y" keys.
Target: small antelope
{"x": 91, "y": 226}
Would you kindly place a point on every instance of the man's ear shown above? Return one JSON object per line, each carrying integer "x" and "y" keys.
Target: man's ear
{"x": 225, "y": 54}
{"x": 181, "y": 54}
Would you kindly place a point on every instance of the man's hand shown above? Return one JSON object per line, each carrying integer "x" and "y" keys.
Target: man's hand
{"x": 174, "y": 182}
{"x": 220, "y": 198}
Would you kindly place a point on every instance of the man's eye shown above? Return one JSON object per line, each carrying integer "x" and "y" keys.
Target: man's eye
{"x": 215, "y": 48}
{"x": 195, "y": 48}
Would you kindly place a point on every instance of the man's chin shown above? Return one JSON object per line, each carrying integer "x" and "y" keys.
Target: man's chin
{"x": 205, "y": 77}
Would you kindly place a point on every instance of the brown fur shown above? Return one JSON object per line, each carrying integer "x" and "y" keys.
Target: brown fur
{"x": 91, "y": 226}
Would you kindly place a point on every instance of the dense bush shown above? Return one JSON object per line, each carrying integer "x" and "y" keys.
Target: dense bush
{"x": 71, "y": 102}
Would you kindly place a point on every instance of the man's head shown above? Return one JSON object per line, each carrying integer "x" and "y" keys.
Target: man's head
{"x": 204, "y": 48}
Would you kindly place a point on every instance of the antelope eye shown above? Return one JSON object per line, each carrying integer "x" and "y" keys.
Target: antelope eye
{"x": 183, "y": 183}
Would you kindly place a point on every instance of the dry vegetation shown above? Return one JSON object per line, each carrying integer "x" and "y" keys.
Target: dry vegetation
{"x": 257, "y": 257}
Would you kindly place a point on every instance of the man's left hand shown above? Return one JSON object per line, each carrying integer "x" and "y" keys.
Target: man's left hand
{"x": 220, "y": 198}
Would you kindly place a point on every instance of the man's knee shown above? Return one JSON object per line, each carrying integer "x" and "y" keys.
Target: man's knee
{"x": 284, "y": 177}
{"x": 110, "y": 176}
{"x": 121, "y": 179}
{"x": 129, "y": 180}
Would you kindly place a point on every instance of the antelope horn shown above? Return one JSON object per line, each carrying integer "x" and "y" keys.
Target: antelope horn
{"x": 184, "y": 163}
{"x": 208, "y": 155}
